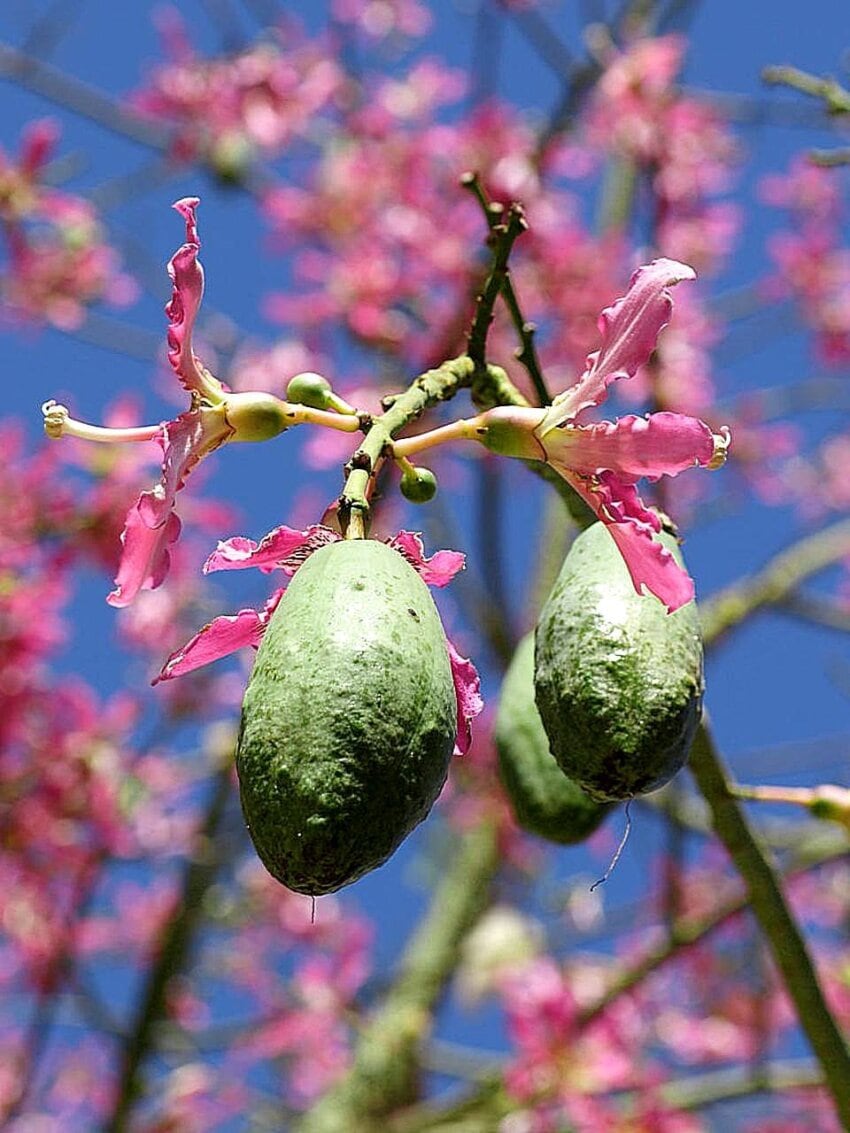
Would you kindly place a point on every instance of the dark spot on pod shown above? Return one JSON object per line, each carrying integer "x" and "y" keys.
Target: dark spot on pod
{"x": 413, "y": 613}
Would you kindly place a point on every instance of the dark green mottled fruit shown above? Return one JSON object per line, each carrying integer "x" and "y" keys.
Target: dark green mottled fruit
{"x": 618, "y": 680}
{"x": 545, "y": 801}
{"x": 349, "y": 719}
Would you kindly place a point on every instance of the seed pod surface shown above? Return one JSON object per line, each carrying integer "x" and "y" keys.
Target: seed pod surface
{"x": 618, "y": 680}
{"x": 545, "y": 801}
{"x": 349, "y": 719}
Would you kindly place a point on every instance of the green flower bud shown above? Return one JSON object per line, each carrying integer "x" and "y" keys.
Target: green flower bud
{"x": 310, "y": 389}
{"x": 419, "y": 485}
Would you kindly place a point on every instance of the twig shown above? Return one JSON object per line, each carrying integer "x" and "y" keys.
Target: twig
{"x": 527, "y": 352}
{"x": 834, "y": 96}
{"x": 686, "y": 931}
{"x": 822, "y": 611}
{"x": 439, "y": 384}
{"x": 503, "y": 234}
{"x": 775, "y": 920}
{"x": 727, "y": 1084}
{"x": 72, "y": 94}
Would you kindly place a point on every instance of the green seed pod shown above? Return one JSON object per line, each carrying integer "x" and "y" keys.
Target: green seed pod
{"x": 618, "y": 680}
{"x": 545, "y": 801}
{"x": 419, "y": 486}
{"x": 349, "y": 719}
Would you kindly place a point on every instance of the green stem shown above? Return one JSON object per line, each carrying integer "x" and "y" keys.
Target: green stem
{"x": 436, "y": 385}
{"x": 728, "y": 1084}
{"x": 487, "y": 1102}
{"x": 834, "y": 96}
{"x": 774, "y": 917}
{"x": 618, "y": 192}
{"x": 384, "y": 1076}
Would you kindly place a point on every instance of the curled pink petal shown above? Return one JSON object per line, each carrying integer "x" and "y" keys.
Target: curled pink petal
{"x": 220, "y": 637}
{"x": 187, "y": 276}
{"x": 438, "y": 570}
{"x": 651, "y": 565}
{"x": 284, "y": 548}
{"x": 151, "y": 525}
{"x": 632, "y": 526}
{"x": 145, "y": 556}
{"x": 662, "y": 444}
{"x": 629, "y": 328}
{"x": 468, "y": 693}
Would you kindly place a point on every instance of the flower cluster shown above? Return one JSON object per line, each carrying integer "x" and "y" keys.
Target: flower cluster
{"x": 602, "y": 461}
{"x": 811, "y": 256}
{"x": 58, "y": 262}
{"x": 226, "y": 111}
{"x": 682, "y": 143}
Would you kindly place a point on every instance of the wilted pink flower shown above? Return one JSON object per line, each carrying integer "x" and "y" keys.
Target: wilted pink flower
{"x": 603, "y": 460}
{"x": 286, "y": 549}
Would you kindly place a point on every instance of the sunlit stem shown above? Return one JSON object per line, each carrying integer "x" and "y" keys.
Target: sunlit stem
{"x": 304, "y": 415}
{"x": 802, "y": 796}
{"x": 356, "y": 528}
{"x": 407, "y": 469}
{"x": 465, "y": 429}
{"x": 340, "y": 405}
{"x": 59, "y": 423}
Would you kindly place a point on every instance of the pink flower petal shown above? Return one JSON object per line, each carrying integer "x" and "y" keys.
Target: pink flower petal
{"x": 151, "y": 525}
{"x": 145, "y": 557}
{"x": 468, "y": 693}
{"x": 187, "y": 275}
{"x": 629, "y": 331}
{"x": 220, "y": 637}
{"x": 284, "y": 548}
{"x": 632, "y": 526}
{"x": 438, "y": 570}
{"x": 662, "y": 444}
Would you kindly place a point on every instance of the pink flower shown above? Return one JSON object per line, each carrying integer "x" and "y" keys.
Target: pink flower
{"x": 603, "y": 460}
{"x": 228, "y": 109}
{"x": 286, "y": 549}
{"x": 215, "y": 416}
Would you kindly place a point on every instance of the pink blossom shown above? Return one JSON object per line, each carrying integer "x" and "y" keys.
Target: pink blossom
{"x": 286, "y": 549}
{"x": 602, "y": 460}
{"x": 225, "y": 109}
{"x": 214, "y": 417}
{"x": 59, "y": 261}
{"x": 380, "y": 19}
{"x": 811, "y": 256}
{"x": 637, "y": 112}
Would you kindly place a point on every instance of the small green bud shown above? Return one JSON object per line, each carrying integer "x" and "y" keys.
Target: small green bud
{"x": 310, "y": 389}
{"x": 419, "y": 485}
